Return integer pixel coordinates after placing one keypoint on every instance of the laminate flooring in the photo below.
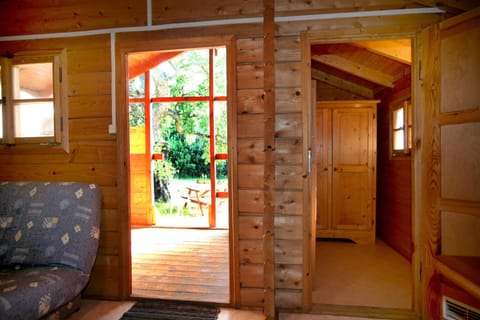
(361, 275)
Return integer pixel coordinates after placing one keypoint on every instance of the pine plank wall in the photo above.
(97, 156)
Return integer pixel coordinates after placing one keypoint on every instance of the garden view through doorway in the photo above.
(178, 138)
(178, 175)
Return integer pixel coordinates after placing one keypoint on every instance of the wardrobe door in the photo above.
(352, 174)
(324, 166)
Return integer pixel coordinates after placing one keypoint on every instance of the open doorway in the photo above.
(179, 211)
(364, 238)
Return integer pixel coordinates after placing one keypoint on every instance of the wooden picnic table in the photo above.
(199, 196)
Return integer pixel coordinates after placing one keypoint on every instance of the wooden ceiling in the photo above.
(362, 68)
(453, 7)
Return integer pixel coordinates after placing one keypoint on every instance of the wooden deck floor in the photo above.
(180, 264)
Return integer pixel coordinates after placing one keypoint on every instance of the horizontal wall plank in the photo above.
(406, 24)
(288, 276)
(33, 17)
(110, 197)
(110, 221)
(251, 297)
(287, 49)
(109, 243)
(90, 129)
(289, 177)
(70, 43)
(89, 60)
(289, 227)
(286, 6)
(250, 176)
(251, 275)
(249, 50)
(289, 151)
(288, 251)
(288, 100)
(250, 201)
(250, 101)
(40, 157)
(91, 83)
(250, 151)
(90, 106)
(289, 300)
(168, 11)
(289, 202)
(288, 74)
(250, 251)
(93, 152)
(90, 173)
(250, 227)
(250, 126)
(288, 125)
(105, 278)
(249, 76)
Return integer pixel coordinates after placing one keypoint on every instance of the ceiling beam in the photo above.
(342, 83)
(356, 69)
(398, 50)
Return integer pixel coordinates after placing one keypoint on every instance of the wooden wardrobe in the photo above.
(346, 160)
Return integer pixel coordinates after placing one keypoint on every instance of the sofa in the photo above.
(49, 234)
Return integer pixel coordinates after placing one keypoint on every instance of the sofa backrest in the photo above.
(49, 223)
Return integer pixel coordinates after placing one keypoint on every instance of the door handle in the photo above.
(309, 160)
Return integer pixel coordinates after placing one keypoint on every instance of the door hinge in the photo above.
(60, 76)
(4, 100)
(61, 124)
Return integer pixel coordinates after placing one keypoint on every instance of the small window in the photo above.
(401, 129)
(32, 94)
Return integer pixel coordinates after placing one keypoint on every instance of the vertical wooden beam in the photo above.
(212, 208)
(269, 165)
(7, 108)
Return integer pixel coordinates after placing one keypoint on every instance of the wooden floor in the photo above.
(193, 265)
(180, 264)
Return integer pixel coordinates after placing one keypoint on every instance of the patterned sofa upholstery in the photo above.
(48, 243)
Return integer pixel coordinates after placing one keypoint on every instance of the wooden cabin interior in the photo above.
(353, 149)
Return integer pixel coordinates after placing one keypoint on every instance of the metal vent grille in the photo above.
(455, 310)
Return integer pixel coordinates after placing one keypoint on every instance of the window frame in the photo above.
(59, 139)
(407, 128)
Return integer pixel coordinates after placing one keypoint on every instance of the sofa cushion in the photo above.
(34, 292)
(49, 224)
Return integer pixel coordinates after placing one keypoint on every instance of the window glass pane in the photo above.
(398, 140)
(398, 120)
(161, 119)
(136, 87)
(136, 114)
(220, 70)
(33, 81)
(34, 119)
(185, 75)
(220, 126)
